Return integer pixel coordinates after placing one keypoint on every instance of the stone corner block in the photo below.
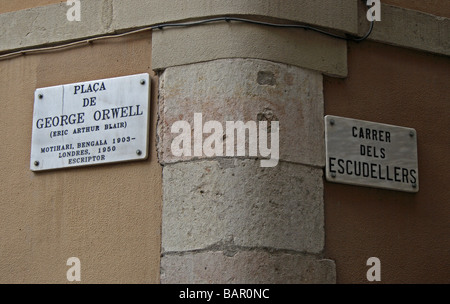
(245, 90)
(246, 267)
(298, 47)
(231, 202)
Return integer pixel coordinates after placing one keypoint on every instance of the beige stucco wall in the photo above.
(108, 216)
(14, 5)
(407, 232)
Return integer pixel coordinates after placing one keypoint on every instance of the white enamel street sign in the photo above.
(90, 123)
(371, 154)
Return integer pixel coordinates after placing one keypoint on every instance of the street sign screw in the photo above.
(40, 96)
(414, 186)
(142, 81)
(332, 122)
(138, 152)
(36, 163)
(411, 133)
(333, 174)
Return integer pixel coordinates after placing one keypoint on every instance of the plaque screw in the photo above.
(138, 152)
(333, 174)
(332, 122)
(36, 163)
(411, 133)
(142, 81)
(414, 186)
(40, 96)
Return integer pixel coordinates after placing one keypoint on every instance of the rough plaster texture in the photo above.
(236, 202)
(14, 5)
(246, 267)
(409, 233)
(245, 90)
(108, 216)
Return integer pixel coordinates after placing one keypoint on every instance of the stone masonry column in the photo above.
(228, 219)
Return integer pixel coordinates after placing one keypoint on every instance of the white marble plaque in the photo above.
(91, 123)
(371, 154)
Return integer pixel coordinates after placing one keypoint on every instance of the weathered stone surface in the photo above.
(338, 14)
(232, 201)
(245, 90)
(411, 29)
(246, 267)
(297, 47)
(49, 24)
